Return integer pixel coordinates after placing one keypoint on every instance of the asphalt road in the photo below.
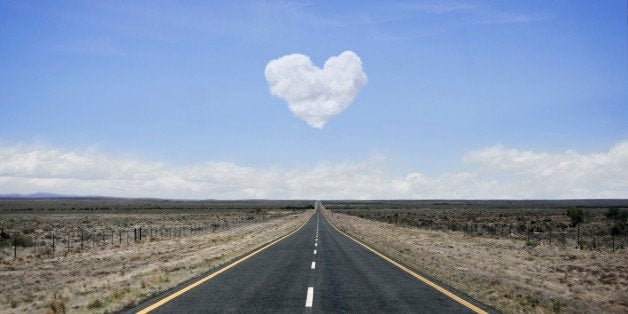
(316, 269)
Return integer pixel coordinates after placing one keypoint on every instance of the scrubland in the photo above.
(505, 273)
(110, 274)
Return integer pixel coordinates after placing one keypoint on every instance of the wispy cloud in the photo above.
(499, 172)
(498, 17)
(94, 46)
(438, 7)
(416, 20)
(170, 24)
(378, 14)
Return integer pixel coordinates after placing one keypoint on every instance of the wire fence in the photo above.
(77, 239)
(592, 237)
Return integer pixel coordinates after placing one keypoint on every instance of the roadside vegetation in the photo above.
(181, 240)
(587, 224)
(500, 252)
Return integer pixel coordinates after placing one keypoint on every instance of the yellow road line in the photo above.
(200, 281)
(415, 275)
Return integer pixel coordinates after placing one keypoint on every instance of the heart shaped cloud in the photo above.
(313, 94)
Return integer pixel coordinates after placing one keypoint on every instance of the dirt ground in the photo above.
(502, 273)
(117, 277)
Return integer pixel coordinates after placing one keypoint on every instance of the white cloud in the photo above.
(499, 173)
(313, 94)
(569, 174)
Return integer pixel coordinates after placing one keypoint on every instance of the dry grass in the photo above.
(503, 273)
(111, 279)
(79, 230)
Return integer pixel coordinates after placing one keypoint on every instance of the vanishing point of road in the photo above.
(315, 269)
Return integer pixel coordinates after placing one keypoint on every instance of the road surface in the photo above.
(315, 269)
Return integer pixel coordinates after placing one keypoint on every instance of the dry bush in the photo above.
(503, 273)
(55, 306)
(114, 277)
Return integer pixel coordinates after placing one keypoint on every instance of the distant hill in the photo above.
(39, 195)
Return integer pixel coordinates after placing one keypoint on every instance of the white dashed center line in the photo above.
(310, 297)
(310, 290)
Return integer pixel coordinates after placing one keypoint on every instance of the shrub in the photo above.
(94, 304)
(556, 305)
(576, 215)
(618, 228)
(532, 243)
(615, 213)
(119, 293)
(22, 240)
(55, 306)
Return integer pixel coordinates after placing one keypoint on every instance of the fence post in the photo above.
(594, 243)
(15, 248)
(81, 240)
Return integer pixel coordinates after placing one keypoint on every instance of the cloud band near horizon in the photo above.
(498, 173)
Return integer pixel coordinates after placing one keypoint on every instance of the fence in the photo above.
(77, 240)
(593, 237)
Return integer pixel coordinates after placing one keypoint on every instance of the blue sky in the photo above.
(182, 84)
